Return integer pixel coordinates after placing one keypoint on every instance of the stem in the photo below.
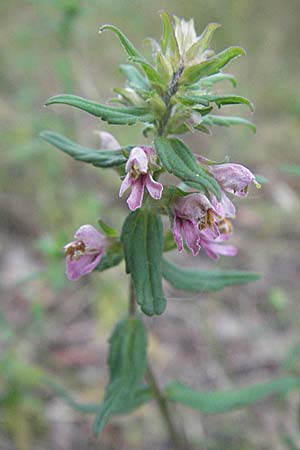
(167, 99)
(178, 439)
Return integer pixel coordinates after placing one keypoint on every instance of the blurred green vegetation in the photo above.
(53, 46)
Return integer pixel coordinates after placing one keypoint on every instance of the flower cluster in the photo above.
(200, 221)
(170, 97)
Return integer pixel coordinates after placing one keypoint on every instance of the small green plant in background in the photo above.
(170, 95)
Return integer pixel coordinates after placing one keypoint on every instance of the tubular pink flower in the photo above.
(85, 253)
(233, 178)
(193, 213)
(138, 177)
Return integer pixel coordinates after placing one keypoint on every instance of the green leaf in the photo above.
(130, 49)
(113, 257)
(142, 238)
(192, 280)
(99, 158)
(179, 160)
(211, 66)
(127, 363)
(134, 55)
(216, 78)
(135, 79)
(152, 75)
(169, 44)
(227, 121)
(219, 100)
(110, 114)
(202, 42)
(213, 402)
(107, 230)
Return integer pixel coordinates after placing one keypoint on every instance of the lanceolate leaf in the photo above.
(216, 78)
(219, 100)
(99, 158)
(203, 41)
(211, 66)
(169, 43)
(213, 402)
(142, 238)
(127, 363)
(135, 79)
(227, 121)
(110, 114)
(179, 160)
(192, 280)
(130, 49)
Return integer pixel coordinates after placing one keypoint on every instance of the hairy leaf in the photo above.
(213, 402)
(127, 363)
(99, 158)
(219, 100)
(111, 114)
(179, 160)
(135, 79)
(169, 43)
(203, 41)
(211, 66)
(142, 238)
(216, 78)
(130, 49)
(227, 121)
(193, 280)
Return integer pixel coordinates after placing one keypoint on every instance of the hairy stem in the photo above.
(167, 99)
(178, 439)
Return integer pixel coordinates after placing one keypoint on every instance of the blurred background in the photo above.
(49, 325)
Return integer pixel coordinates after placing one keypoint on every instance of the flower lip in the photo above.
(85, 253)
(140, 164)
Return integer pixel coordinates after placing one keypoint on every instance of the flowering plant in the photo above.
(170, 95)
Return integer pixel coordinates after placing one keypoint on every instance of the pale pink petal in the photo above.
(224, 208)
(135, 198)
(91, 237)
(138, 158)
(126, 183)
(154, 187)
(215, 247)
(193, 206)
(86, 264)
(177, 233)
(108, 142)
(191, 233)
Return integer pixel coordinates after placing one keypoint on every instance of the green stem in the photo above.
(178, 439)
(167, 99)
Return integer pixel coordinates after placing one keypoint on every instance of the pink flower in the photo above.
(193, 213)
(233, 178)
(213, 246)
(85, 253)
(138, 177)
